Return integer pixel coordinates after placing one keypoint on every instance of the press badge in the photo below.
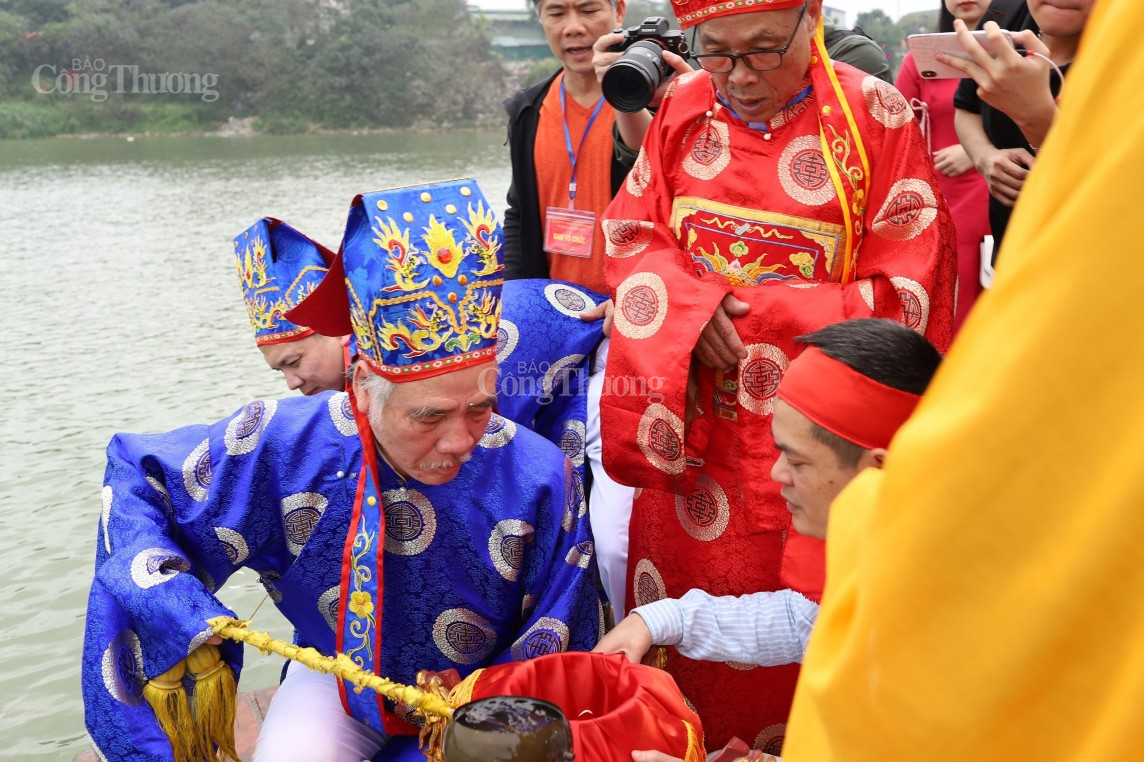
(569, 232)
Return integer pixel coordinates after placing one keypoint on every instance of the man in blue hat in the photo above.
(404, 525)
(277, 268)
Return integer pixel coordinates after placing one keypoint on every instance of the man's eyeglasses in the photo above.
(759, 60)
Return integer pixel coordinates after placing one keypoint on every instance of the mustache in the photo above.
(428, 465)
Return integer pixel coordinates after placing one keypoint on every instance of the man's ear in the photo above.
(621, 9)
(876, 458)
(361, 394)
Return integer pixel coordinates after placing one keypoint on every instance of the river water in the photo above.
(122, 313)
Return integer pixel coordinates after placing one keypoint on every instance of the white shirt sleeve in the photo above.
(767, 629)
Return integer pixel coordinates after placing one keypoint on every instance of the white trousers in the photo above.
(609, 504)
(306, 722)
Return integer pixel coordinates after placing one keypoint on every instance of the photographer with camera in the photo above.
(774, 194)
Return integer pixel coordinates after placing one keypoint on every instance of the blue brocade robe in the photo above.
(492, 566)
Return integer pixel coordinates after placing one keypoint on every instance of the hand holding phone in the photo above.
(925, 47)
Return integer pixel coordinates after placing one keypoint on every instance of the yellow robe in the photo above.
(985, 592)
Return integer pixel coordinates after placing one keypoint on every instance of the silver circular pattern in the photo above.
(660, 438)
(886, 104)
(463, 636)
(410, 522)
(328, 603)
(507, 544)
(759, 376)
(572, 441)
(234, 543)
(508, 335)
(199, 640)
(105, 515)
(647, 584)
(122, 668)
(300, 514)
(641, 305)
(154, 566)
(547, 636)
(498, 433)
(915, 303)
(197, 472)
(558, 372)
(580, 554)
(705, 513)
(245, 429)
(568, 300)
(803, 173)
(342, 414)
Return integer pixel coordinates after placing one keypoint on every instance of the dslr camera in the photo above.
(631, 81)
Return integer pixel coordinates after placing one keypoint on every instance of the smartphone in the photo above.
(923, 47)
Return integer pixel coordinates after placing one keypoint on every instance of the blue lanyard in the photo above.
(574, 155)
(762, 126)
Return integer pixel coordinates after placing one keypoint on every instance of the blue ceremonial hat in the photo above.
(278, 267)
(422, 277)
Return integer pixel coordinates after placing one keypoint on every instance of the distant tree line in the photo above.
(294, 65)
(891, 35)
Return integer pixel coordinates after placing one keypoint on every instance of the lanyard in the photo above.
(574, 155)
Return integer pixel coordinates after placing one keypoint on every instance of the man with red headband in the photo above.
(876, 371)
(775, 194)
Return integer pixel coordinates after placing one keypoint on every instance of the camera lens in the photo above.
(632, 80)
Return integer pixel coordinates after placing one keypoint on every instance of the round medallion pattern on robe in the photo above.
(741, 666)
(803, 173)
(207, 580)
(154, 566)
(508, 335)
(626, 238)
(122, 668)
(640, 175)
(197, 472)
(245, 429)
(759, 376)
(575, 506)
(915, 303)
(647, 584)
(300, 514)
(162, 490)
(572, 441)
(710, 151)
(660, 438)
(866, 291)
(770, 739)
(463, 636)
(641, 305)
(547, 636)
(234, 544)
(199, 640)
(705, 513)
(507, 542)
(910, 208)
(328, 603)
(580, 554)
(498, 433)
(558, 372)
(410, 522)
(105, 515)
(568, 300)
(342, 414)
(886, 104)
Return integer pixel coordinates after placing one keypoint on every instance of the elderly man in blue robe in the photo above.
(405, 524)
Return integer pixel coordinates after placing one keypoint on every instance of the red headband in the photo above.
(843, 401)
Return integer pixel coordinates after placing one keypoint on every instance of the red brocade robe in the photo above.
(712, 207)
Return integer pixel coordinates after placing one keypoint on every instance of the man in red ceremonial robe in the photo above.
(775, 194)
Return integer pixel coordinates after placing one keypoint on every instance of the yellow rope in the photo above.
(341, 666)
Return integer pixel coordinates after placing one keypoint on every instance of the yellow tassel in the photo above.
(660, 659)
(214, 702)
(431, 740)
(167, 698)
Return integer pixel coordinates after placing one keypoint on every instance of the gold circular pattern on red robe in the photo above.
(547, 636)
(770, 739)
(197, 472)
(710, 149)
(507, 544)
(886, 104)
(910, 208)
(705, 513)
(122, 668)
(626, 238)
(803, 173)
(759, 375)
(660, 438)
(342, 414)
(866, 291)
(300, 514)
(640, 175)
(641, 305)
(647, 584)
(410, 522)
(245, 429)
(741, 666)
(915, 303)
(463, 636)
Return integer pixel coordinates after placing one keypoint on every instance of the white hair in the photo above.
(380, 389)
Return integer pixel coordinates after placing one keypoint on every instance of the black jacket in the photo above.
(523, 236)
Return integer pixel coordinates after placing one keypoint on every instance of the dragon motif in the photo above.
(735, 271)
(428, 331)
(480, 241)
(402, 260)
